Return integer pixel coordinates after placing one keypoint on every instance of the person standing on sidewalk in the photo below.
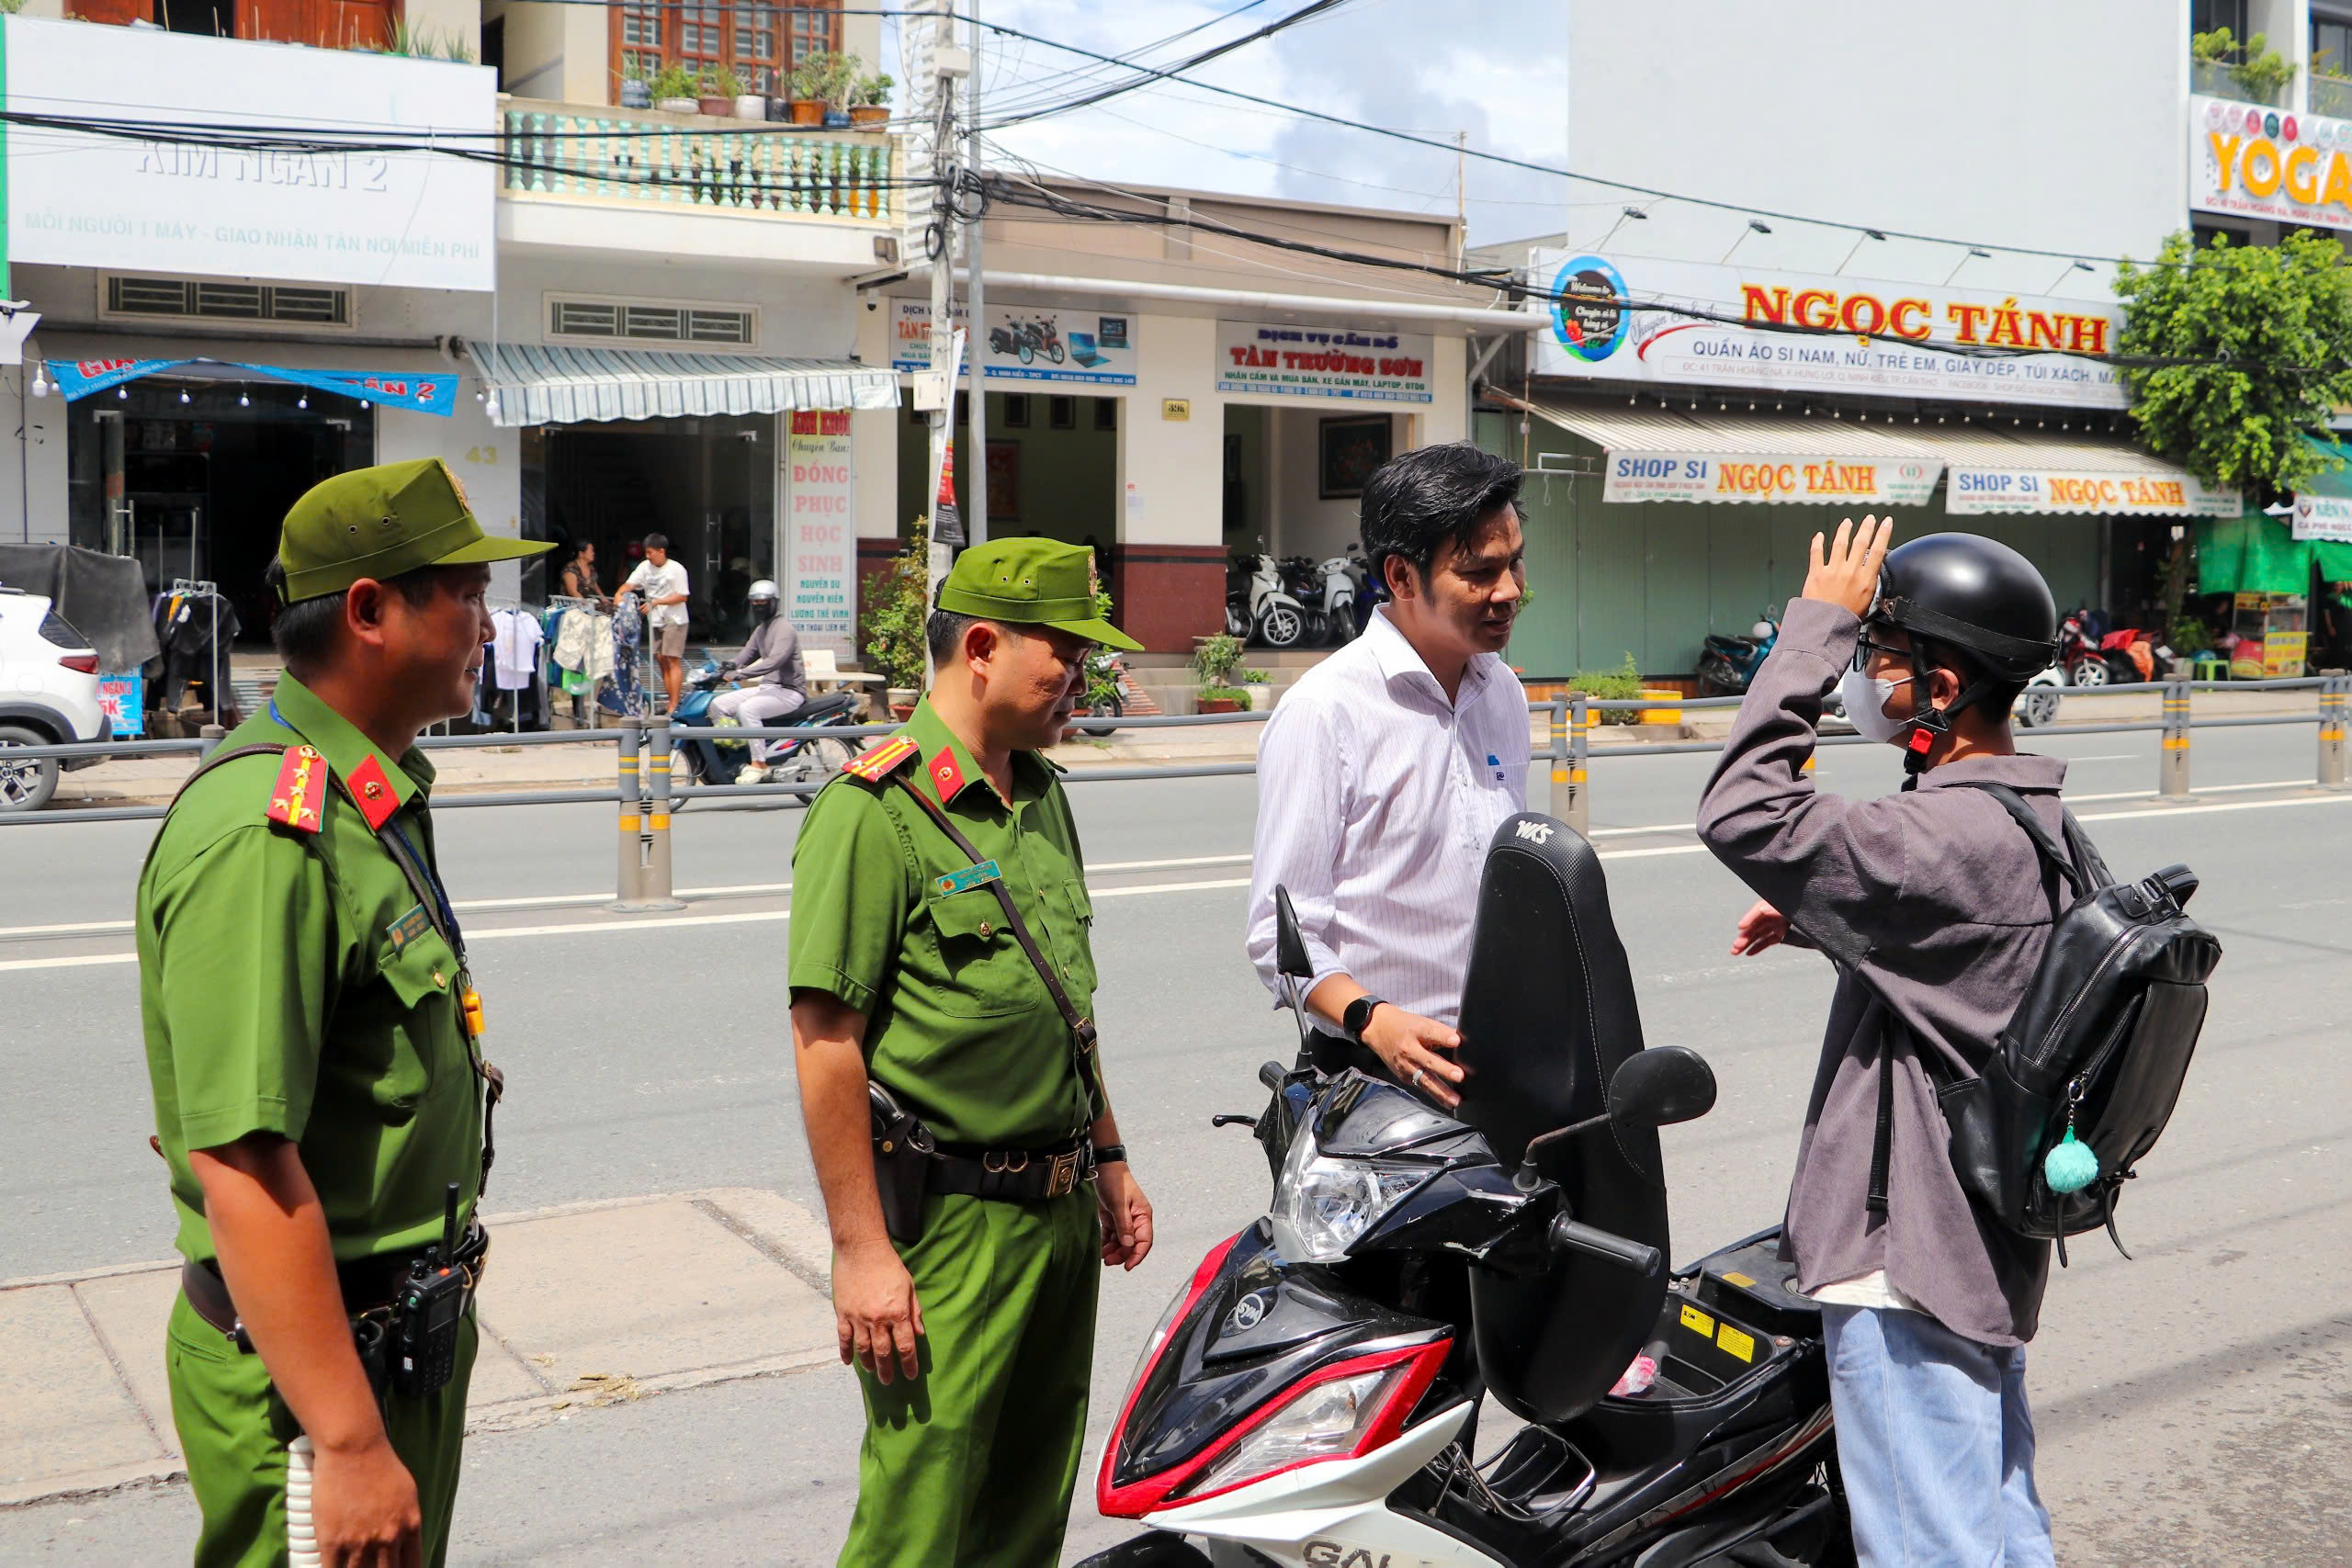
(1935, 909)
(1388, 767)
(312, 1041)
(940, 954)
(662, 583)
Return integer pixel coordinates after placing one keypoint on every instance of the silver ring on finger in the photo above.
(1415, 1082)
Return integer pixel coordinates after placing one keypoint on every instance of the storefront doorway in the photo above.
(193, 477)
(1053, 466)
(707, 484)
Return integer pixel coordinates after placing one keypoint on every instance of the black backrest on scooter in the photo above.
(818, 710)
(1547, 1014)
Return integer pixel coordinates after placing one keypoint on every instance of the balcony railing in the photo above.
(2215, 81)
(685, 163)
(2330, 95)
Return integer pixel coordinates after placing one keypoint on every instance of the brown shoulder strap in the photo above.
(214, 761)
(1081, 1030)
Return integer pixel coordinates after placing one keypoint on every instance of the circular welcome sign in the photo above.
(1589, 318)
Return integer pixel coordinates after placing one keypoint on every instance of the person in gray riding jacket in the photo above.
(769, 668)
(1935, 907)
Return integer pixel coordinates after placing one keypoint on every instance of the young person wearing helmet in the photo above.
(769, 668)
(1935, 909)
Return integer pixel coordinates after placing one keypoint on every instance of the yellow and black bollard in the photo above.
(2331, 731)
(2172, 765)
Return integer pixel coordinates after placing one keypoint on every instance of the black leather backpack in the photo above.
(2101, 1043)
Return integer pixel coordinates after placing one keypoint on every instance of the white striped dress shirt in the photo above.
(1376, 798)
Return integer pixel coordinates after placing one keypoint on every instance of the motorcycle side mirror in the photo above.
(1290, 948)
(1661, 1086)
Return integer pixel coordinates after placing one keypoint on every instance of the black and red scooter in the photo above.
(1311, 1395)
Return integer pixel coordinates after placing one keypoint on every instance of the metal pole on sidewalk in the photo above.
(211, 735)
(629, 888)
(2331, 731)
(656, 888)
(1578, 808)
(2172, 767)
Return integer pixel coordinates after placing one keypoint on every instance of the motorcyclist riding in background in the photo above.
(769, 669)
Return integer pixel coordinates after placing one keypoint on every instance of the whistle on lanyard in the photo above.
(470, 1002)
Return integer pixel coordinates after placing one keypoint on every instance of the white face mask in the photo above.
(1866, 698)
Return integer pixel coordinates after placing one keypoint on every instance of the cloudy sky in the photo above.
(1410, 64)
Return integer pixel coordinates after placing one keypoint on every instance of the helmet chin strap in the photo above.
(1930, 722)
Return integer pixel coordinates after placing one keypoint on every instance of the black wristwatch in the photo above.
(1359, 1016)
(1110, 1153)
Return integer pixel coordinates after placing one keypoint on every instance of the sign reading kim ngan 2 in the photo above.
(1360, 365)
(1731, 327)
(405, 220)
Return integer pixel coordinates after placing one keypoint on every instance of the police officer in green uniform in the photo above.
(314, 1040)
(939, 951)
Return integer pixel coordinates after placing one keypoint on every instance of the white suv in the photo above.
(48, 696)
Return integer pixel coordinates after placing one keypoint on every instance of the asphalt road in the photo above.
(2195, 1406)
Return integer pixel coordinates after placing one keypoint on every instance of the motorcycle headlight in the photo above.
(1322, 1205)
(1326, 1421)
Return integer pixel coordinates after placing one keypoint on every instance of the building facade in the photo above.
(1688, 446)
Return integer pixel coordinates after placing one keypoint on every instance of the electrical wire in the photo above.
(1307, 12)
(1056, 80)
(1160, 74)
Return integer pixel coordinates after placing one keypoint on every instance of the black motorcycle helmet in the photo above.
(1977, 600)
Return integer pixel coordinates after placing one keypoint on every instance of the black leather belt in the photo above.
(1019, 1176)
(369, 1284)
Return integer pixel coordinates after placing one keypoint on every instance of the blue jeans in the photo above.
(1935, 1442)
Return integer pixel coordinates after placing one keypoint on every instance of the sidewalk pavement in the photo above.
(150, 781)
(584, 1305)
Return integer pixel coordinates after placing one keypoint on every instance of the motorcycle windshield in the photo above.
(1548, 1014)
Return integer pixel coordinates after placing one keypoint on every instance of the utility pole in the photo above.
(940, 66)
(976, 504)
(1460, 196)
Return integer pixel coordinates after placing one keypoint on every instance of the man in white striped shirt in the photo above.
(1388, 767)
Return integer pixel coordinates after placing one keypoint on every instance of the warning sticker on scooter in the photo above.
(1737, 1344)
(964, 881)
(1698, 1322)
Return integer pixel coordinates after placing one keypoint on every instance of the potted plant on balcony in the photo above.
(808, 105)
(716, 93)
(637, 87)
(674, 90)
(870, 102)
(748, 104)
(831, 79)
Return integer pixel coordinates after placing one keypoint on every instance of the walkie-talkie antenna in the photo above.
(449, 1227)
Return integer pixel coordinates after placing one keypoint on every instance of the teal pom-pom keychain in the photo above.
(2071, 1165)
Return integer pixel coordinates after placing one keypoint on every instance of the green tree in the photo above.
(2263, 333)
(898, 603)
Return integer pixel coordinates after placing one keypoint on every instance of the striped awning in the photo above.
(539, 385)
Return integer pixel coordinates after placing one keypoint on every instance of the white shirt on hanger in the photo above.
(513, 649)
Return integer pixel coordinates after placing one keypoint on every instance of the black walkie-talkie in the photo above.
(426, 1313)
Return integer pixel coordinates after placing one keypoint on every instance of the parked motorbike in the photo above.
(1303, 580)
(1728, 664)
(1339, 577)
(1106, 702)
(2092, 655)
(1258, 606)
(811, 760)
(1309, 1398)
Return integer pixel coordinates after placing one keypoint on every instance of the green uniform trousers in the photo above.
(973, 1461)
(233, 1428)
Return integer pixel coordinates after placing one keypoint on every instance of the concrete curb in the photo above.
(733, 1286)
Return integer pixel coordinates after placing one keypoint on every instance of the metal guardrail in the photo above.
(643, 786)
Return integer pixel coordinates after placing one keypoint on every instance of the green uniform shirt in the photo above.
(958, 1024)
(291, 982)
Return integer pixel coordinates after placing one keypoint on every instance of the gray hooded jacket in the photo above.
(1932, 902)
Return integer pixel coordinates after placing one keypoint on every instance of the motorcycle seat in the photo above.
(818, 710)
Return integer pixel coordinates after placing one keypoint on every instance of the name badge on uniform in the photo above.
(408, 928)
(964, 881)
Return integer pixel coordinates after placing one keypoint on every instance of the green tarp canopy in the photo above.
(2255, 554)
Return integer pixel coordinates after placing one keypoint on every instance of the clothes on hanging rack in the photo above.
(515, 648)
(195, 624)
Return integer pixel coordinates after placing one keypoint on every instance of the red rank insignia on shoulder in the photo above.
(877, 765)
(300, 790)
(373, 793)
(946, 775)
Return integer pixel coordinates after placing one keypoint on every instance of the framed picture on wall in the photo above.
(1016, 410)
(1347, 451)
(1004, 482)
(1061, 413)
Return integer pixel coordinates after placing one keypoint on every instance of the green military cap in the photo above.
(382, 521)
(1031, 582)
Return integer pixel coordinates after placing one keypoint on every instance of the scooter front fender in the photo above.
(1335, 1513)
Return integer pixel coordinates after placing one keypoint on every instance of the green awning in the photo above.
(2255, 554)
